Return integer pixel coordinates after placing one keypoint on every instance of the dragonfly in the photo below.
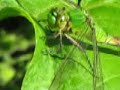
(61, 25)
(59, 22)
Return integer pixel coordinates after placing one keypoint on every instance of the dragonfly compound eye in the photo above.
(51, 19)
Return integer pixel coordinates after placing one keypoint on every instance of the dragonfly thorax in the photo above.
(58, 19)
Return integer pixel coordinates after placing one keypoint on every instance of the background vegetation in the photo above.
(16, 50)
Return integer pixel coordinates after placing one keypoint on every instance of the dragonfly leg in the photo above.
(80, 47)
(61, 44)
(54, 36)
(59, 34)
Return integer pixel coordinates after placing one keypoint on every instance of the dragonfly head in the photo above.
(58, 19)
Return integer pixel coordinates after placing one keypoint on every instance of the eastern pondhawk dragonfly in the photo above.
(66, 27)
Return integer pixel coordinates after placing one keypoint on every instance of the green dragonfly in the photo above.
(66, 26)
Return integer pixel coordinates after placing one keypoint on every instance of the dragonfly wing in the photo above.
(73, 67)
(97, 68)
(72, 75)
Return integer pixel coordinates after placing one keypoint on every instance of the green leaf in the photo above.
(111, 74)
(105, 13)
(46, 61)
(39, 8)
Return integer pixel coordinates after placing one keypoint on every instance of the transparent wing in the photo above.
(76, 65)
(97, 76)
(97, 69)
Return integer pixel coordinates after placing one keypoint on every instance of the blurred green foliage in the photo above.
(16, 50)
